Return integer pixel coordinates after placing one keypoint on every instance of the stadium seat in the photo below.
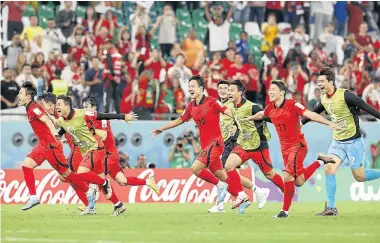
(235, 30)
(253, 28)
(198, 14)
(81, 12)
(45, 11)
(183, 15)
(28, 11)
(255, 45)
(154, 42)
(201, 26)
(153, 16)
(42, 21)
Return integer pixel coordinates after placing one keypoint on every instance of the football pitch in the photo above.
(185, 223)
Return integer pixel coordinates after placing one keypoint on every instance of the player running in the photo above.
(230, 133)
(74, 122)
(50, 149)
(285, 116)
(347, 146)
(205, 111)
(111, 162)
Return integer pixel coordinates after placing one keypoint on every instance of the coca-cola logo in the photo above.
(183, 187)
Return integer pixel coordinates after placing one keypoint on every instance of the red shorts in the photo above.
(294, 158)
(75, 158)
(112, 165)
(94, 160)
(261, 158)
(53, 154)
(210, 156)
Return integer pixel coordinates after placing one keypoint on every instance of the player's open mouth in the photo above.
(58, 111)
(191, 92)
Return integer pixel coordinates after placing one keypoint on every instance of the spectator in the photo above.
(192, 47)
(79, 50)
(102, 38)
(41, 85)
(238, 70)
(340, 13)
(35, 46)
(21, 61)
(297, 78)
(129, 96)
(219, 30)
(55, 61)
(278, 52)
(148, 92)
(108, 20)
(26, 75)
(298, 98)
(375, 150)
(179, 156)
(139, 18)
(242, 46)
(257, 11)
(180, 72)
(111, 76)
(193, 141)
(363, 40)
(355, 17)
(93, 78)
(52, 38)
(9, 90)
(15, 10)
(300, 9)
(165, 100)
(270, 32)
(78, 30)
(254, 85)
(228, 60)
(12, 52)
(58, 85)
(323, 12)
(330, 40)
(141, 162)
(90, 21)
(371, 94)
(69, 71)
(316, 100)
(274, 7)
(167, 24)
(309, 89)
(124, 43)
(142, 47)
(299, 37)
(29, 32)
(77, 91)
(155, 63)
(212, 82)
(179, 96)
(240, 12)
(66, 19)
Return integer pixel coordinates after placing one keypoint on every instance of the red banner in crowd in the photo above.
(176, 185)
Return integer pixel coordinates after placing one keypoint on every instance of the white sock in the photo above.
(285, 211)
(242, 194)
(321, 162)
(34, 197)
(146, 181)
(254, 188)
(220, 183)
(117, 204)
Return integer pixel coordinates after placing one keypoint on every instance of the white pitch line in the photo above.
(46, 240)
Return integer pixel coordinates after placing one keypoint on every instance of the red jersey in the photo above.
(207, 117)
(34, 112)
(286, 119)
(109, 142)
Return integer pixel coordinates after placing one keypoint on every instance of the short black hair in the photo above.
(48, 97)
(329, 73)
(35, 65)
(239, 85)
(66, 99)
(280, 84)
(92, 99)
(199, 79)
(29, 89)
(223, 82)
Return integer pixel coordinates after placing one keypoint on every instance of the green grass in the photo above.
(183, 223)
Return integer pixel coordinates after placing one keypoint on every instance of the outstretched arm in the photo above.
(320, 119)
(45, 119)
(258, 116)
(352, 99)
(110, 116)
(318, 109)
(168, 126)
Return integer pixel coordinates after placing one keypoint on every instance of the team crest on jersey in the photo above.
(104, 123)
(37, 111)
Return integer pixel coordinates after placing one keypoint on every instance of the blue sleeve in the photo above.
(88, 75)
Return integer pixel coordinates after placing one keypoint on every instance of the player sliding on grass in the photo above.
(285, 116)
(75, 122)
(205, 111)
(111, 162)
(347, 146)
(50, 148)
(230, 133)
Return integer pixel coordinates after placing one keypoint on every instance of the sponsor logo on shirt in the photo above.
(37, 111)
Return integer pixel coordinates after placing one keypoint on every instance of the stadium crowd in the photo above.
(139, 56)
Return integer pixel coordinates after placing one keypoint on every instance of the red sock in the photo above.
(206, 175)
(80, 185)
(277, 180)
(114, 199)
(309, 171)
(89, 177)
(288, 194)
(29, 180)
(134, 181)
(81, 194)
(234, 183)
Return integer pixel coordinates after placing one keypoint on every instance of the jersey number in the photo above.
(201, 122)
(281, 127)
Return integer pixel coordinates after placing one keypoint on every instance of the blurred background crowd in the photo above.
(138, 56)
